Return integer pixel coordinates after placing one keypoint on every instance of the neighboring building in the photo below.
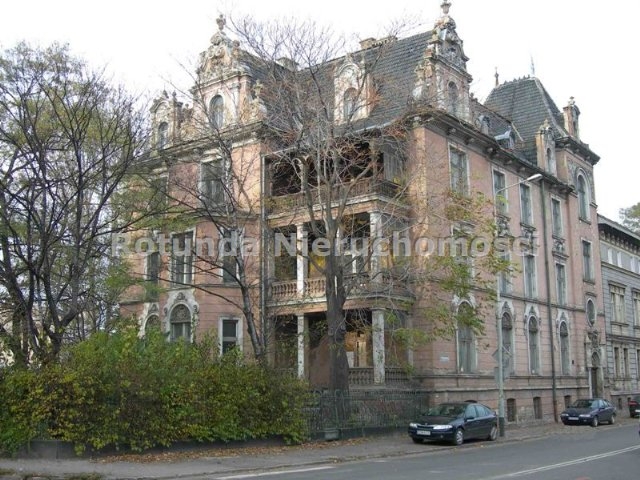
(551, 309)
(620, 256)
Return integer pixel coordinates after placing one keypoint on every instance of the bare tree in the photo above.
(67, 139)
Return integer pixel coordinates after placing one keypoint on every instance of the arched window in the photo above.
(466, 341)
(591, 313)
(216, 112)
(153, 323)
(349, 103)
(163, 135)
(453, 99)
(507, 342)
(181, 323)
(583, 197)
(564, 349)
(534, 357)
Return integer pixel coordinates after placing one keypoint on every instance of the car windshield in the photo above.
(583, 403)
(447, 410)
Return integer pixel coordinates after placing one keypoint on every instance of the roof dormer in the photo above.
(351, 92)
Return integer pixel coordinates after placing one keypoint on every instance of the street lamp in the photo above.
(500, 359)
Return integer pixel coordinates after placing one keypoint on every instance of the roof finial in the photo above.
(221, 22)
(445, 5)
(533, 67)
(497, 75)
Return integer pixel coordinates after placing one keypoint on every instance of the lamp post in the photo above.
(500, 379)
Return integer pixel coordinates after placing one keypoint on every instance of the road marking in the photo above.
(275, 472)
(522, 473)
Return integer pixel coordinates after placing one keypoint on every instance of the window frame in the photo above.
(213, 182)
(587, 261)
(565, 348)
(216, 112)
(557, 226)
(530, 276)
(561, 284)
(466, 345)
(500, 197)
(507, 334)
(526, 205)
(186, 271)
(533, 345)
(237, 339)
(163, 135)
(173, 323)
(584, 200)
(617, 295)
(459, 171)
(635, 301)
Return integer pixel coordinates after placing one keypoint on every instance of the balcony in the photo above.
(358, 285)
(364, 189)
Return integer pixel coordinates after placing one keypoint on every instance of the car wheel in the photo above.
(613, 420)
(416, 440)
(458, 437)
(493, 434)
(595, 422)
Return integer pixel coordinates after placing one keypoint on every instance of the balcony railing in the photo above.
(358, 285)
(363, 376)
(363, 187)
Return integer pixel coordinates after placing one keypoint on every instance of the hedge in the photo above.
(122, 391)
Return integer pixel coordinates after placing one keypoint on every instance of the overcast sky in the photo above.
(579, 48)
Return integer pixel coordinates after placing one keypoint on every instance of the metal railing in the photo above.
(382, 408)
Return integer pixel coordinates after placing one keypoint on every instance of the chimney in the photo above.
(571, 119)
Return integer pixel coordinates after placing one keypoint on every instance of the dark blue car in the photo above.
(589, 411)
(455, 423)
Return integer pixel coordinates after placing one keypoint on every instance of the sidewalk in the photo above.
(226, 461)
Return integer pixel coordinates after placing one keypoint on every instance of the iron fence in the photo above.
(364, 409)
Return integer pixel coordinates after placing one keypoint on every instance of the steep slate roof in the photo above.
(395, 75)
(527, 104)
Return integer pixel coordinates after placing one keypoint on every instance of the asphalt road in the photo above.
(602, 453)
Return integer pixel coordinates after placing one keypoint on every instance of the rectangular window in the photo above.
(228, 250)
(182, 258)
(561, 284)
(230, 335)
(529, 268)
(587, 260)
(636, 310)
(152, 276)
(459, 182)
(500, 192)
(617, 304)
(616, 362)
(567, 401)
(213, 183)
(556, 217)
(625, 360)
(526, 212)
(504, 276)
